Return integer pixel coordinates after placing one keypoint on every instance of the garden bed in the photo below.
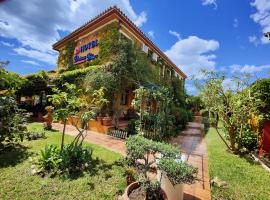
(16, 181)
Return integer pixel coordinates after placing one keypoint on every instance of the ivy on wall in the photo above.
(65, 58)
(108, 43)
(75, 76)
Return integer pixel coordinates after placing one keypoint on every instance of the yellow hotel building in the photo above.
(87, 38)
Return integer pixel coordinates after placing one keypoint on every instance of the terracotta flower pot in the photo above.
(134, 186)
(107, 121)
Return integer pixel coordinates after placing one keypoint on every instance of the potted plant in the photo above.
(131, 175)
(173, 174)
(148, 156)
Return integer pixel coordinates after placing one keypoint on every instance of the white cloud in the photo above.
(174, 33)
(209, 2)
(151, 34)
(193, 54)
(262, 17)
(37, 55)
(7, 44)
(254, 40)
(36, 24)
(32, 62)
(141, 19)
(235, 23)
(248, 68)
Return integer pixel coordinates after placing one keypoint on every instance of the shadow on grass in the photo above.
(52, 130)
(96, 167)
(249, 159)
(13, 155)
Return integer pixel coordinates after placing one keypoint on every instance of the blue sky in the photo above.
(221, 35)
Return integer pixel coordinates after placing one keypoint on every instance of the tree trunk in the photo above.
(225, 142)
(241, 137)
(63, 135)
(233, 140)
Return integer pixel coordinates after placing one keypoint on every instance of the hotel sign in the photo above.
(90, 56)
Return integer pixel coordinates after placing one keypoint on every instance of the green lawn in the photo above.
(16, 181)
(246, 180)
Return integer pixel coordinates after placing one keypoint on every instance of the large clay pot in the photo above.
(107, 121)
(134, 186)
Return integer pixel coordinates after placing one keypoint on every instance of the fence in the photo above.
(118, 133)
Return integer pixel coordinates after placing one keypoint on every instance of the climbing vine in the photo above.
(65, 58)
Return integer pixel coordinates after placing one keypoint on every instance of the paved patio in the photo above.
(192, 144)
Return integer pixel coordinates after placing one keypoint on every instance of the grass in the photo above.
(245, 179)
(16, 181)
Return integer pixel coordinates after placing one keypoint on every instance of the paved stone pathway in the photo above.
(106, 141)
(193, 145)
(191, 142)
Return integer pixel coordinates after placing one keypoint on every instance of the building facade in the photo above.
(87, 37)
(86, 47)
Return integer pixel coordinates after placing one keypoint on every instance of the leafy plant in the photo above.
(11, 120)
(131, 127)
(31, 135)
(49, 158)
(158, 119)
(178, 172)
(73, 158)
(250, 139)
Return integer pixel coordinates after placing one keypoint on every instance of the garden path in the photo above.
(106, 141)
(193, 145)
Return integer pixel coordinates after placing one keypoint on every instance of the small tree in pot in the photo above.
(144, 154)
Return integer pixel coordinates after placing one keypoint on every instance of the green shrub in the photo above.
(11, 121)
(182, 117)
(250, 140)
(131, 127)
(34, 135)
(178, 172)
(73, 158)
(49, 158)
(190, 116)
(76, 75)
(206, 124)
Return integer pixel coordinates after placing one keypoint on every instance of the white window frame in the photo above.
(145, 48)
(154, 56)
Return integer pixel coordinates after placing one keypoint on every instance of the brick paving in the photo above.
(191, 142)
(106, 141)
(193, 145)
